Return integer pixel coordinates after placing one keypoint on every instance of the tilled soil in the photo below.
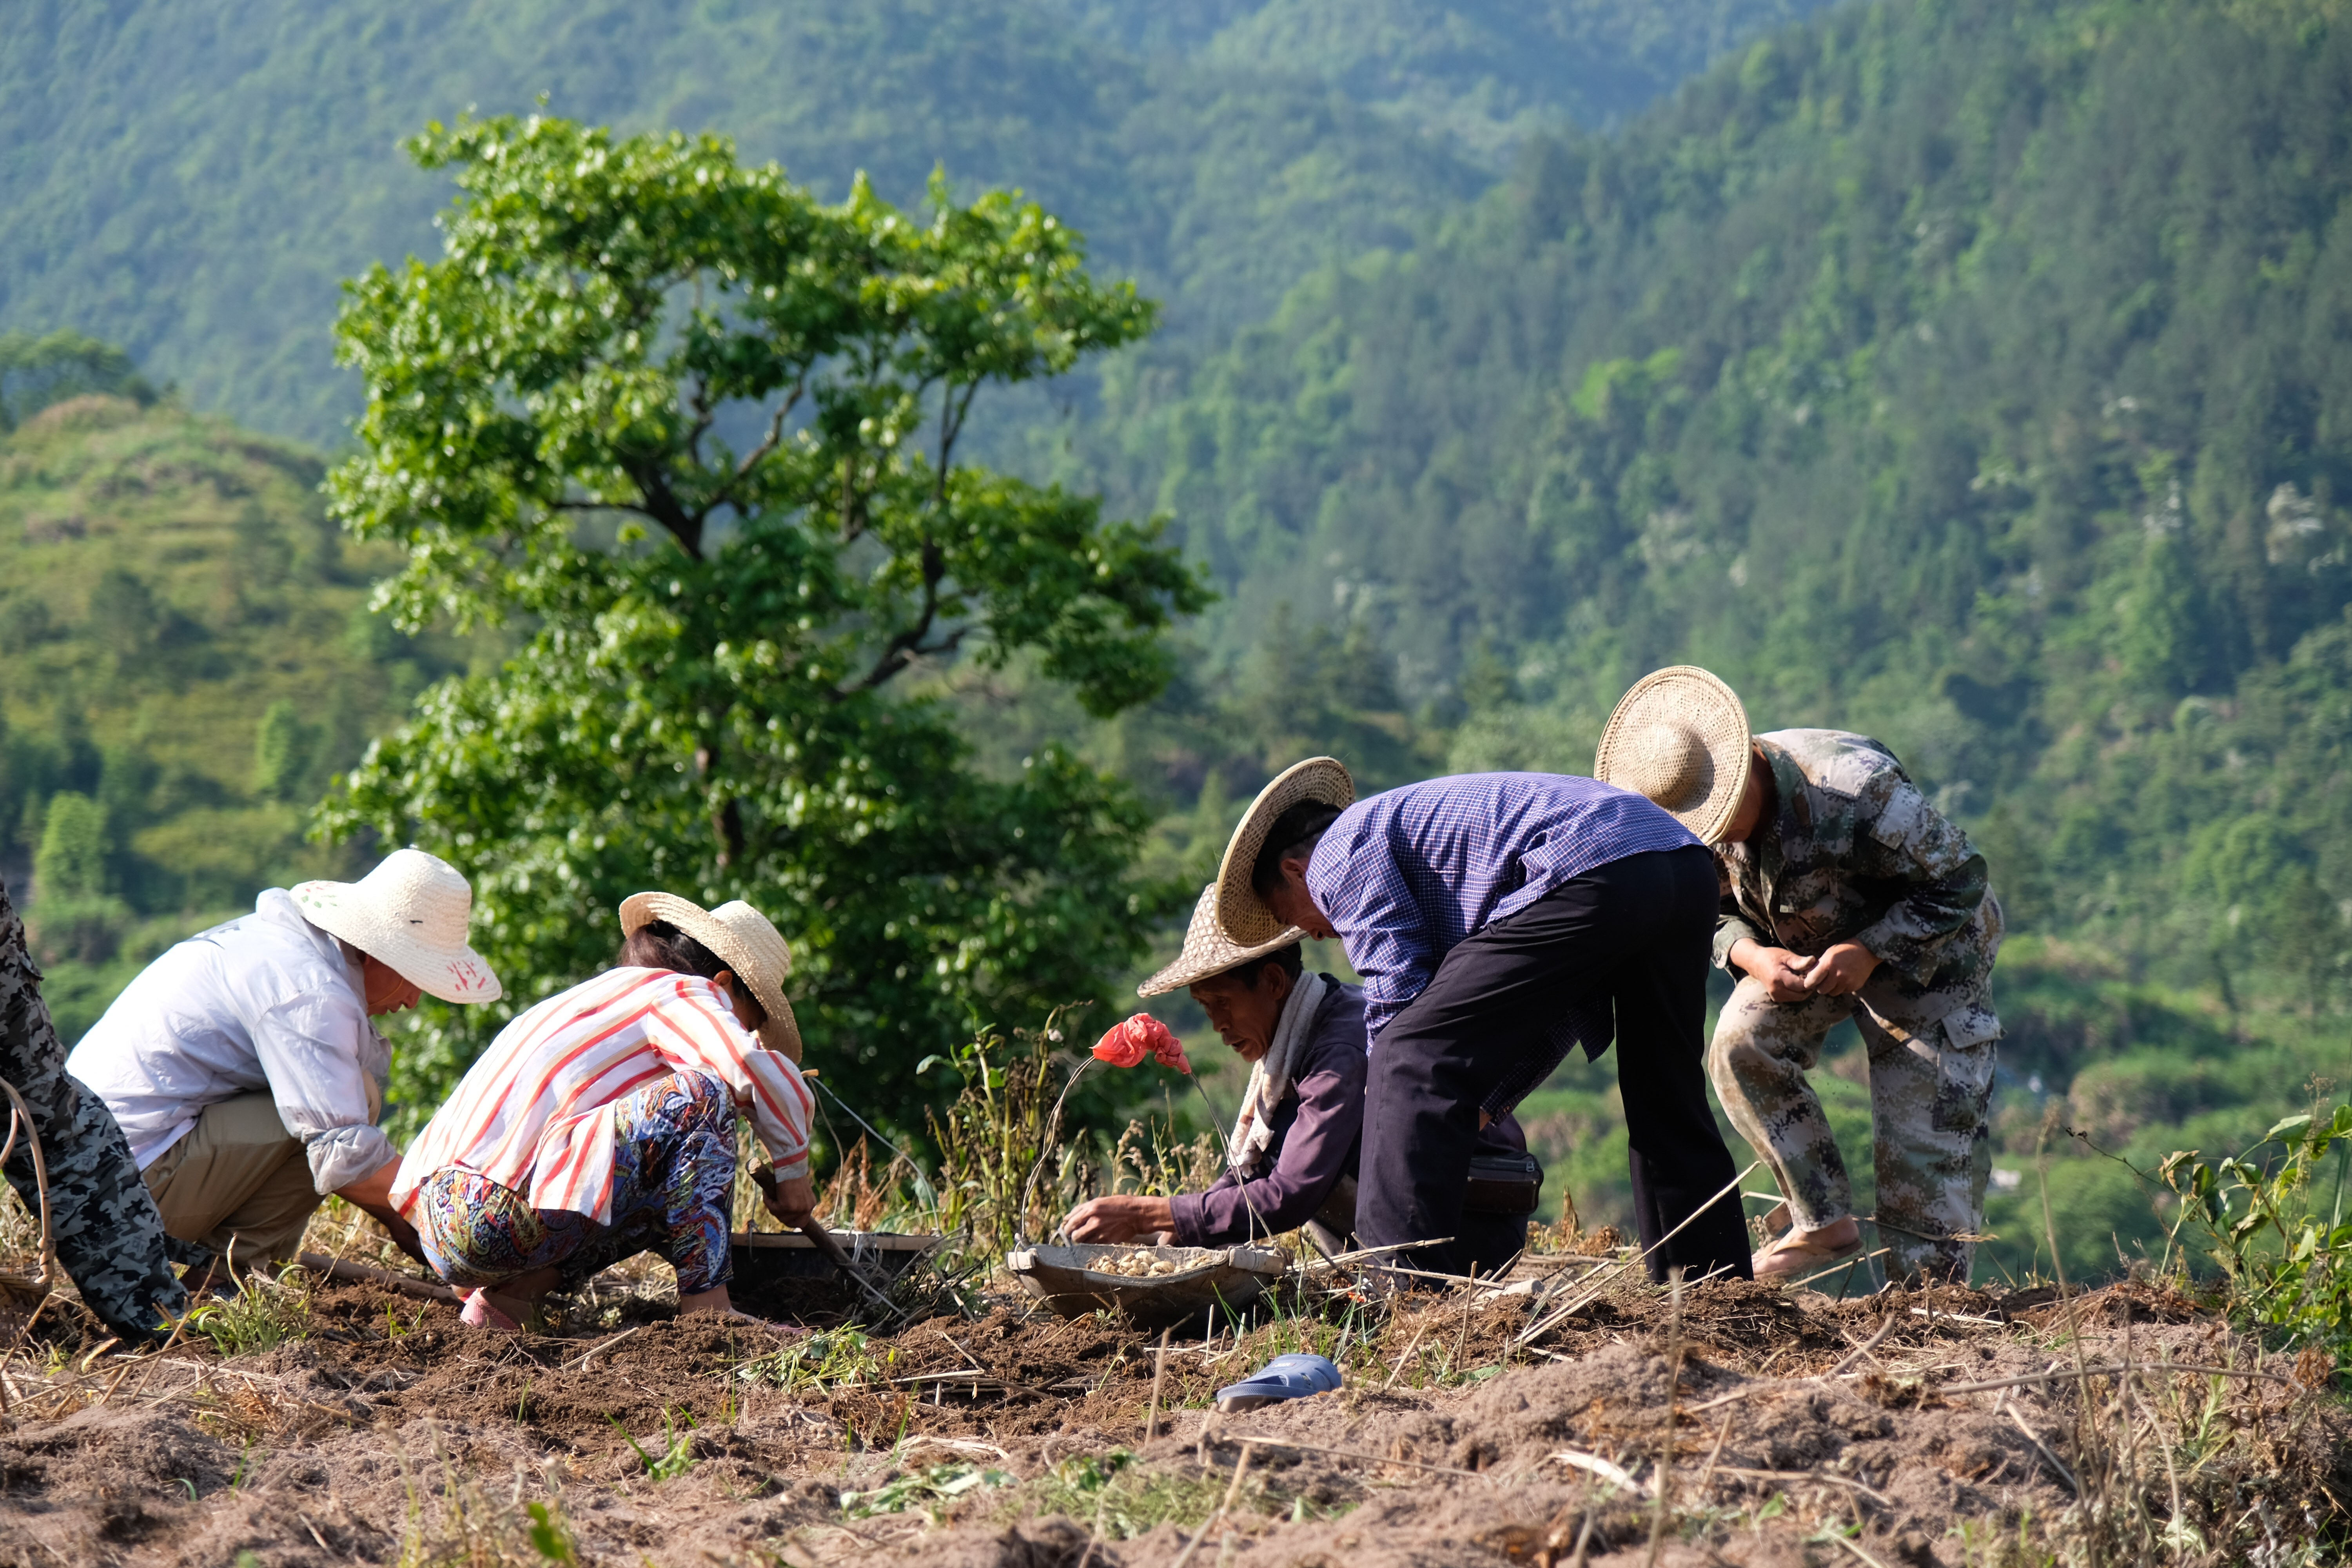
(1785, 1423)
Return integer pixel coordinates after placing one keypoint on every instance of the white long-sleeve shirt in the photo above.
(265, 1002)
(535, 1113)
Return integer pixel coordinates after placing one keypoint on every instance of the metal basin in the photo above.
(1066, 1279)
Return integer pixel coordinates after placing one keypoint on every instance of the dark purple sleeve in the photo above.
(1308, 1158)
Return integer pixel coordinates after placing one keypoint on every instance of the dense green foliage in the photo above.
(704, 701)
(38, 371)
(2271, 1220)
(1798, 368)
(194, 181)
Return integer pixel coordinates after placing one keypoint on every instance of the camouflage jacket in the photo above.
(1851, 851)
(110, 1238)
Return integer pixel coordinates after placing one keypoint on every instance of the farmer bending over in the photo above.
(1498, 920)
(601, 1124)
(1294, 1145)
(242, 1066)
(1848, 896)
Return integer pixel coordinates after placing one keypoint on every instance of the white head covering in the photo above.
(410, 913)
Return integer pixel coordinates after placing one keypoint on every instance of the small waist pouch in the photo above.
(1337, 1213)
(1502, 1181)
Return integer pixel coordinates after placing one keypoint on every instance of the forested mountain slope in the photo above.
(193, 181)
(1975, 376)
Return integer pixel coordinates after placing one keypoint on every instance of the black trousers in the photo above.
(1631, 937)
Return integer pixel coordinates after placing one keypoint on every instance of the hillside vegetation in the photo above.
(186, 658)
(194, 181)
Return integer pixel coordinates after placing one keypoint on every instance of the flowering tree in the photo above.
(694, 435)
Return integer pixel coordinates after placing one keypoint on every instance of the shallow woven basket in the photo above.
(1206, 1277)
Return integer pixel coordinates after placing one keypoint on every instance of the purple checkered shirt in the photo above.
(1404, 876)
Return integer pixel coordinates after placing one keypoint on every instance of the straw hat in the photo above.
(741, 937)
(1241, 915)
(410, 913)
(1680, 737)
(1206, 951)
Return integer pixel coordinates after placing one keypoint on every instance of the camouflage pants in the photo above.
(108, 1236)
(1929, 1096)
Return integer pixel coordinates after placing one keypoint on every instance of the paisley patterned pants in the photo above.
(673, 1177)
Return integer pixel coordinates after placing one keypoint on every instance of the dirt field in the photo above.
(1789, 1428)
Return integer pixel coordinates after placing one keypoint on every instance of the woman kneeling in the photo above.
(601, 1124)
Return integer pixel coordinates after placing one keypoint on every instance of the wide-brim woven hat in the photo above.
(1207, 951)
(411, 913)
(1680, 737)
(1241, 915)
(743, 939)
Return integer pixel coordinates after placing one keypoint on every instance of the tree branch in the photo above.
(853, 508)
(726, 814)
(662, 505)
(725, 495)
(908, 644)
(955, 406)
(699, 401)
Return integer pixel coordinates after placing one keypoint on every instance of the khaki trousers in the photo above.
(236, 1176)
(1931, 1103)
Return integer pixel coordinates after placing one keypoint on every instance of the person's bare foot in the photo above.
(1796, 1253)
(484, 1311)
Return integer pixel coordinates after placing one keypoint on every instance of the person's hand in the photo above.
(791, 1201)
(1107, 1221)
(371, 1194)
(1841, 970)
(1782, 973)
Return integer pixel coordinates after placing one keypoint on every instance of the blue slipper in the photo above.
(1291, 1376)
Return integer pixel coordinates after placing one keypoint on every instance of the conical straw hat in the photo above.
(1207, 951)
(740, 937)
(1241, 915)
(1680, 737)
(410, 913)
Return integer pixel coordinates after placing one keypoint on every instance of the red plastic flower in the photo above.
(1127, 1044)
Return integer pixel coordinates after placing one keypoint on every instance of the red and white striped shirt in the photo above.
(535, 1113)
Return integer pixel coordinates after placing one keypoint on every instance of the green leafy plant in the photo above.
(1004, 1172)
(262, 1315)
(930, 1489)
(549, 1537)
(676, 1455)
(834, 1358)
(2279, 1237)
